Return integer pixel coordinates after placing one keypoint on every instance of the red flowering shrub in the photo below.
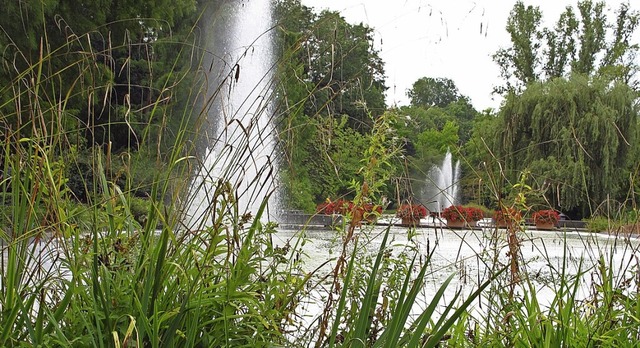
(474, 214)
(507, 216)
(546, 216)
(454, 213)
(330, 207)
(324, 208)
(414, 211)
(459, 213)
(370, 210)
(344, 207)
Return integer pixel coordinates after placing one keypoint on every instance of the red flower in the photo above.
(548, 216)
(414, 211)
(474, 214)
(344, 207)
(507, 216)
(460, 213)
(325, 208)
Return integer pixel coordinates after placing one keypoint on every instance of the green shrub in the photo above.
(600, 224)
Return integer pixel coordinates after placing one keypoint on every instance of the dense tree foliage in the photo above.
(428, 91)
(89, 71)
(439, 119)
(340, 68)
(575, 136)
(570, 114)
(113, 48)
(332, 90)
(481, 181)
(583, 41)
(441, 102)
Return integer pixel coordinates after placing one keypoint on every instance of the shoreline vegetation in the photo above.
(101, 122)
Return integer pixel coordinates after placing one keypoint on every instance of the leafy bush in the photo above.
(599, 224)
(474, 214)
(548, 216)
(458, 213)
(413, 211)
(507, 216)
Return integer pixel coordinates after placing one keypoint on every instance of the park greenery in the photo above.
(100, 124)
(569, 116)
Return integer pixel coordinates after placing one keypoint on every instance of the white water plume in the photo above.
(239, 64)
(442, 184)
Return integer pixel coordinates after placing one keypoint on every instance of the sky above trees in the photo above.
(441, 38)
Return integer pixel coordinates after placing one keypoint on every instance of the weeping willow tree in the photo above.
(575, 135)
(570, 112)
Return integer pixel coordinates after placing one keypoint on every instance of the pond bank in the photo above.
(294, 219)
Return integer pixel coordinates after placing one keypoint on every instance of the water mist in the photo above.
(442, 184)
(238, 148)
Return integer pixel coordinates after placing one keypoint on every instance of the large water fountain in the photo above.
(238, 148)
(441, 189)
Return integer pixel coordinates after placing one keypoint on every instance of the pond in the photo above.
(473, 255)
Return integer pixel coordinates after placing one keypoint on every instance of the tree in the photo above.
(89, 70)
(463, 112)
(342, 72)
(481, 181)
(576, 136)
(591, 37)
(570, 112)
(331, 84)
(561, 44)
(577, 44)
(442, 102)
(521, 60)
(439, 140)
(116, 36)
(346, 71)
(427, 92)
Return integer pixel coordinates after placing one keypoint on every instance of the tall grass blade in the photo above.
(435, 338)
(343, 298)
(363, 322)
(401, 312)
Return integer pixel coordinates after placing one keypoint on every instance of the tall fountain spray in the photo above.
(441, 190)
(238, 148)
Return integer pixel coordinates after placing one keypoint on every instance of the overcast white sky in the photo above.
(441, 38)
